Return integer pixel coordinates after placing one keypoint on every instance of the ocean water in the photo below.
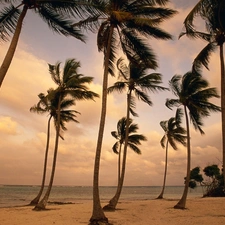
(18, 195)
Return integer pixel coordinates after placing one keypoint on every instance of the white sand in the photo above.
(200, 211)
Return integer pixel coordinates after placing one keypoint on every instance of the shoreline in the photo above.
(207, 211)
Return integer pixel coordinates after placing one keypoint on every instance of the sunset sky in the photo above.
(23, 134)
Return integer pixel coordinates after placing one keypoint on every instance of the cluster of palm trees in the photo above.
(71, 87)
(132, 79)
(127, 26)
(213, 14)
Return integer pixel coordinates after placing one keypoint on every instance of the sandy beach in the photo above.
(205, 211)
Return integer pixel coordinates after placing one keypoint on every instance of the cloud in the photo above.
(8, 126)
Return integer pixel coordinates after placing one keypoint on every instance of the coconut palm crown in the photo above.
(213, 14)
(133, 139)
(58, 14)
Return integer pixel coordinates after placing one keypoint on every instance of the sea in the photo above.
(19, 195)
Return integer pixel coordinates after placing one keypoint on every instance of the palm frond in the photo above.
(101, 36)
(172, 103)
(90, 24)
(118, 86)
(114, 134)
(153, 13)
(123, 69)
(150, 2)
(8, 21)
(115, 147)
(151, 82)
(136, 138)
(188, 22)
(133, 113)
(197, 34)
(112, 55)
(70, 69)
(134, 148)
(55, 73)
(74, 8)
(135, 45)
(172, 142)
(133, 128)
(163, 124)
(196, 121)
(175, 84)
(178, 116)
(60, 24)
(202, 59)
(162, 141)
(142, 96)
(179, 138)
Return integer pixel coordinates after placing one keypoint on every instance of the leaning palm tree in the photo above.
(124, 25)
(47, 105)
(135, 80)
(70, 84)
(174, 134)
(193, 93)
(56, 13)
(133, 140)
(213, 14)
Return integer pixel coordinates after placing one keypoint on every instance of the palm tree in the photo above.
(124, 25)
(174, 134)
(133, 140)
(135, 80)
(47, 105)
(193, 93)
(213, 14)
(56, 13)
(70, 83)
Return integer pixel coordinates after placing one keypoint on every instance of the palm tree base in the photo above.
(34, 202)
(178, 206)
(109, 208)
(103, 221)
(39, 207)
(159, 197)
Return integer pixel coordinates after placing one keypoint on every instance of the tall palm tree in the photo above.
(193, 93)
(47, 105)
(213, 14)
(174, 134)
(133, 79)
(133, 140)
(122, 25)
(56, 13)
(70, 84)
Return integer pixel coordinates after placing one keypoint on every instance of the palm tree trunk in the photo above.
(113, 202)
(223, 106)
(165, 172)
(36, 199)
(42, 204)
(12, 47)
(119, 164)
(97, 212)
(182, 203)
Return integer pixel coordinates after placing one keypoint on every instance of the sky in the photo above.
(23, 134)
